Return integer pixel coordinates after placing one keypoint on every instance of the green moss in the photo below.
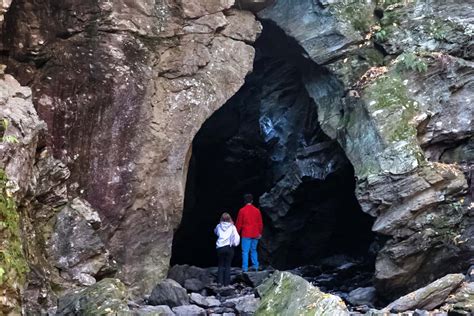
(13, 266)
(441, 30)
(390, 94)
(359, 14)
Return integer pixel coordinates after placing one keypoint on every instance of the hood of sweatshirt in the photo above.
(224, 226)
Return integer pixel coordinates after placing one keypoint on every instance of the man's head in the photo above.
(248, 198)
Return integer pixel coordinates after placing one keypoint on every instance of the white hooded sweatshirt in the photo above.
(227, 235)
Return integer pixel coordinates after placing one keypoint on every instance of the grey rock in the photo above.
(153, 311)
(324, 33)
(168, 292)
(189, 310)
(194, 285)
(461, 302)
(254, 279)
(203, 301)
(294, 296)
(245, 305)
(362, 296)
(20, 127)
(107, 296)
(75, 246)
(428, 297)
(182, 273)
(429, 27)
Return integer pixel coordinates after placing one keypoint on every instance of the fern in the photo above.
(410, 61)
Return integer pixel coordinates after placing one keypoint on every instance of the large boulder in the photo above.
(169, 292)
(109, 296)
(75, 246)
(429, 297)
(288, 294)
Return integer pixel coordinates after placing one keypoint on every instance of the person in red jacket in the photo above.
(250, 226)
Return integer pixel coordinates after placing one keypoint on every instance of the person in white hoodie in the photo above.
(227, 238)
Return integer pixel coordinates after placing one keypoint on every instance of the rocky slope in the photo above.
(123, 87)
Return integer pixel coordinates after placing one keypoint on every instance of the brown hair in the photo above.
(225, 217)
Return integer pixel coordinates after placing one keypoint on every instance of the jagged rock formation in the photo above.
(391, 126)
(18, 139)
(123, 88)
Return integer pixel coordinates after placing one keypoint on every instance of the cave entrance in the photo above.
(266, 140)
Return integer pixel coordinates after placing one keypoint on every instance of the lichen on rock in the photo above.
(288, 294)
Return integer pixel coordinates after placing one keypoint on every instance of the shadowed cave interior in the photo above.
(266, 140)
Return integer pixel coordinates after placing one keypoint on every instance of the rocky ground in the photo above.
(191, 290)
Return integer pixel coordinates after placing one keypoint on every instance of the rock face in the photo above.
(267, 140)
(394, 122)
(462, 301)
(19, 131)
(429, 297)
(123, 88)
(287, 294)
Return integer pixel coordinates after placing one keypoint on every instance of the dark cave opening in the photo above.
(266, 140)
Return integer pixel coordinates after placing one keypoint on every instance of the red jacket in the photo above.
(249, 222)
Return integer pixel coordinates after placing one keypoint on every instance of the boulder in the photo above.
(75, 247)
(194, 285)
(245, 305)
(362, 296)
(428, 297)
(288, 294)
(168, 292)
(200, 300)
(188, 310)
(160, 310)
(108, 296)
(254, 279)
(182, 273)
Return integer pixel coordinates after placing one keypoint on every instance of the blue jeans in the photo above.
(249, 244)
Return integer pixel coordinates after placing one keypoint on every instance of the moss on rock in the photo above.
(358, 14)
(107, 297)
(13, 266)
(288, 294)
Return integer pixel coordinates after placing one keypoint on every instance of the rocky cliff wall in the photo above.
(123, 87)
(397, 98)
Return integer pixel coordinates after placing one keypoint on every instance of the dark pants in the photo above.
(224, 258)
